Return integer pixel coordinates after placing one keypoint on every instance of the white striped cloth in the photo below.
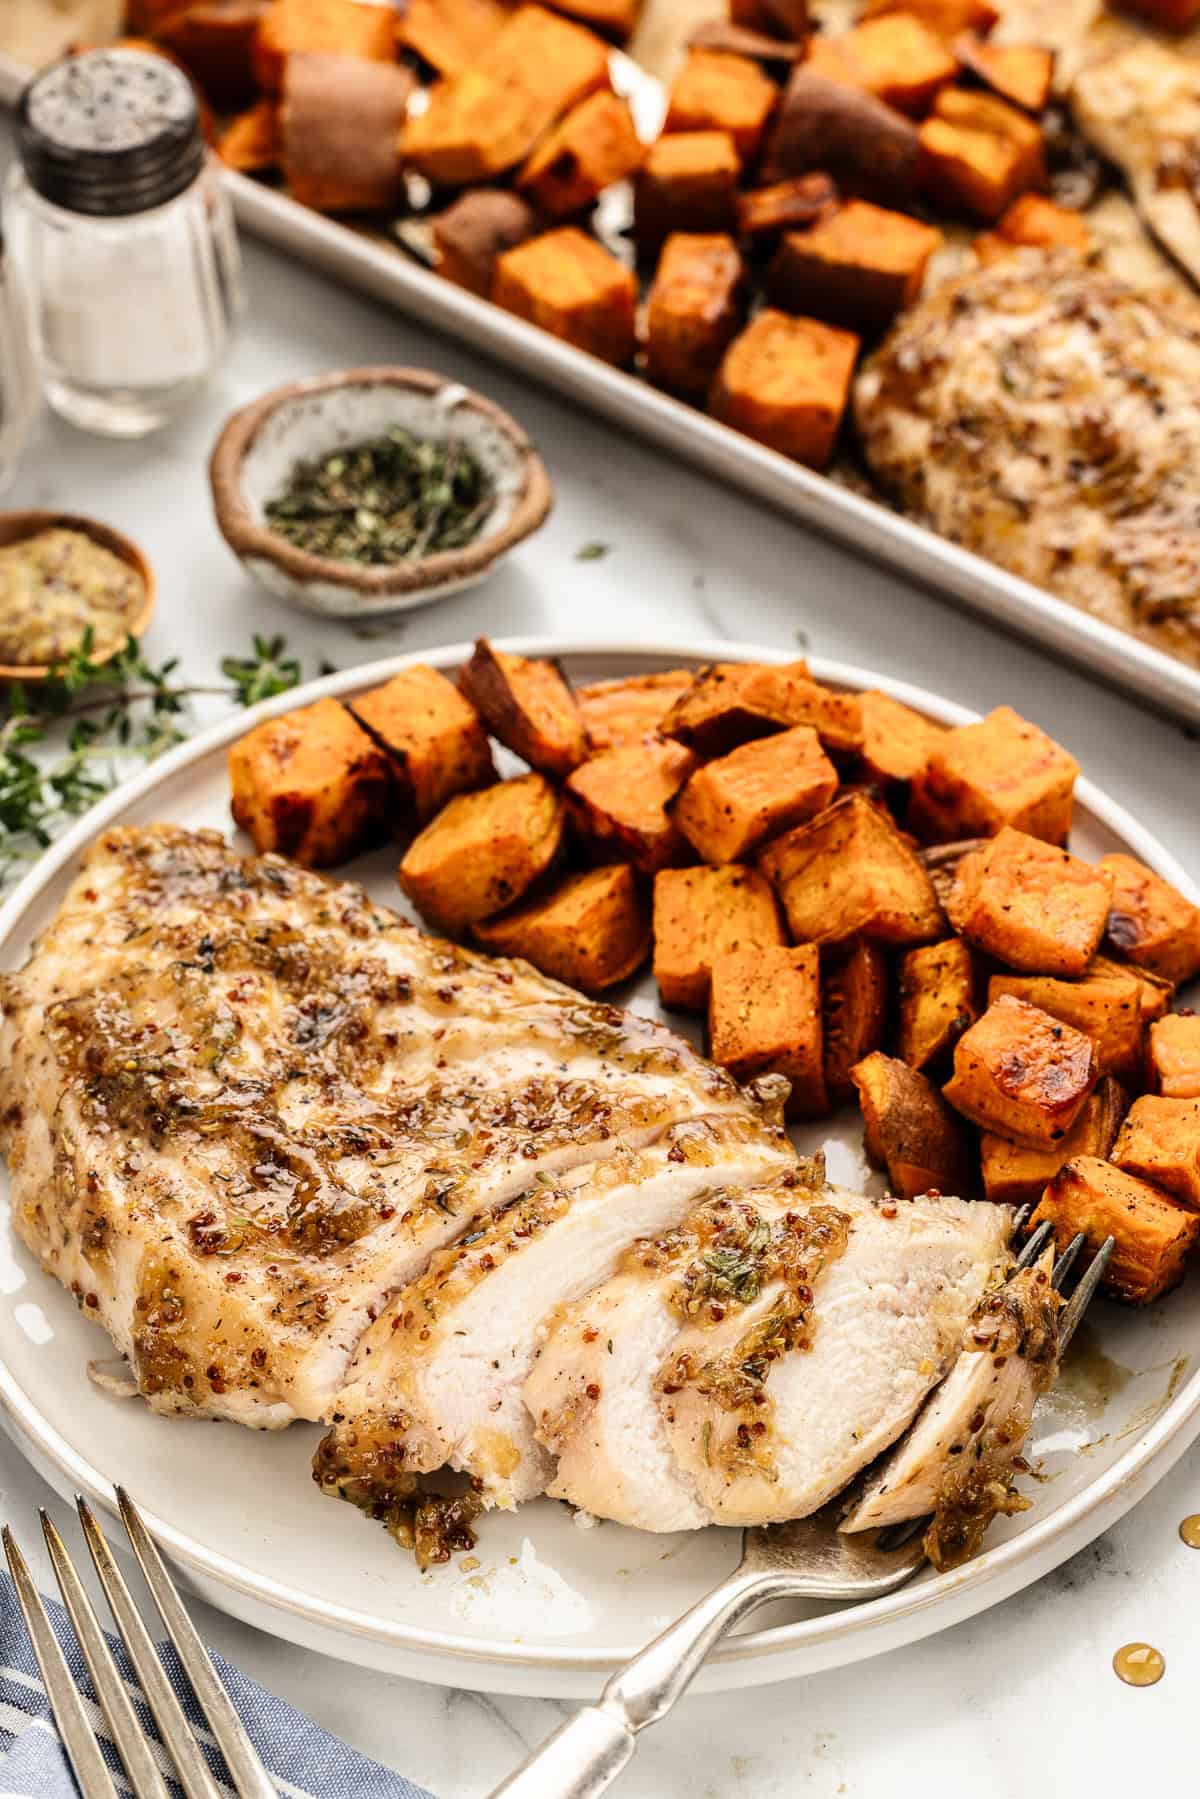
(305, 1762)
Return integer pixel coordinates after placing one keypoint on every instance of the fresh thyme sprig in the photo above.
(105, 715)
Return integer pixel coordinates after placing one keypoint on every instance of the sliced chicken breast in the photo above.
(438, 1379)
(958, 1463)
(761, 1355)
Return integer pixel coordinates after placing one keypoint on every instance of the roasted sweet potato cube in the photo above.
(483, 851)
(1022, 73)
(858, 266)
(829, 124)
(451, 35)
(978, 153)
(1174, 15)
(215, 40)
(948, 18)
(1021, 1073)
(785, 382)
(732, 805)
(1154, 992)
(311, 785)
(1041, 224)
(1153, 1234)
(1105, 1004)
(783, 18)
(854, 1005)
(489, 117)
(595, 145)
(1001, 771)
(475, 231)
(900, 60)
(729, 703)
(433, 738)
(1030, 904)
(339, 131)
(619, 803)
(687, 182)
(717, 92)
(1015, 1174)
(616, 714)
(939, 1000)
(1160, 1143)
(785, 205)
(701, 914)
(910, 1132)
(572, 287)
(591, 931)
(1151, 923)
(334, 27)
(527, 706)
(848, 875)
(897, 742)
(250, 142)
(1175, 1056)
(764, 1017)
(693, 309)
(613, 19)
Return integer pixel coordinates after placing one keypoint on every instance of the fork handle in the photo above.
(585, 1755)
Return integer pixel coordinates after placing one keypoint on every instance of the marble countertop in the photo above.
(1024, 1693)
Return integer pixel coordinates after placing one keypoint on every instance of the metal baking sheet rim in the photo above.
(382, 270)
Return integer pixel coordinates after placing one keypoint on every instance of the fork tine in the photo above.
(127, 1733)
(249, 1776)
(1066, 1261)
(1079, 1301)
(74, 1726)
(1021, 1218)
(186, 1753)
(1035, 1245)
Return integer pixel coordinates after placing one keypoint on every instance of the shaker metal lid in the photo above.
(110, 132)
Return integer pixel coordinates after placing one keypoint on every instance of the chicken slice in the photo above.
(958, 1462)
(438, 1379)
(759, 1360)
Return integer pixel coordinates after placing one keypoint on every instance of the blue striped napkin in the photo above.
(305, 1761)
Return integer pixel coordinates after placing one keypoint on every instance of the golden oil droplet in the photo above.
(1139, 1664)
(1189, 1530)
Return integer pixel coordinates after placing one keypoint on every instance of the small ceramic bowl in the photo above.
(16, 526)
(262, 443)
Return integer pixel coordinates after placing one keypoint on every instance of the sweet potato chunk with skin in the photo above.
(854, 1005)
(732, 805)
(900, 60)
(785, 382)
(718, 92)
(1022, 73)
(1160, 1143)
(897, 742)
(1105, 1004)
(701, 914)
(433, 738)
(616, 714)
(858, 265)
(1151, 923)
(595, 145)
(619, 803)
(330, 27)
(785, 204)
(742, 40)
(527, 706)
(867, 147)
(948, 18)
(250, 143)
(311, 785)
(764, 1017)
(1001, 771)
(1014, 1174)
(849, 874)
(786, 18)
(1030, 904)
(475, 231)
(978, 153)
(451, 35)
(591, 932)
(1175, 1056)
(729, 703)
(693, 309)
(909, 1132)
(939, 1000)
(687, 182)
(1021, 1073)
(1173, 15)
(1153, 1234)
(215, 41)
(613, 19)
(572, 287)
(483, 851)
(488, 118)
(339, 128)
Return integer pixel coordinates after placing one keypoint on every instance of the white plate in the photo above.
(551, 1607)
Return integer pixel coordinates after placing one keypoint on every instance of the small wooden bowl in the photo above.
(16, 526)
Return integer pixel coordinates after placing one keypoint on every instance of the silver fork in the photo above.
(809, 1559)
(250, 1778)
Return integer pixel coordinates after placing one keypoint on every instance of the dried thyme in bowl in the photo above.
(391, 499)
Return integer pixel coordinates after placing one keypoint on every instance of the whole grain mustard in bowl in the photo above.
(65, 580)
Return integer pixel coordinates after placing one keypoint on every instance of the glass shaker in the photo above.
(18, 381)
(122, 237)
